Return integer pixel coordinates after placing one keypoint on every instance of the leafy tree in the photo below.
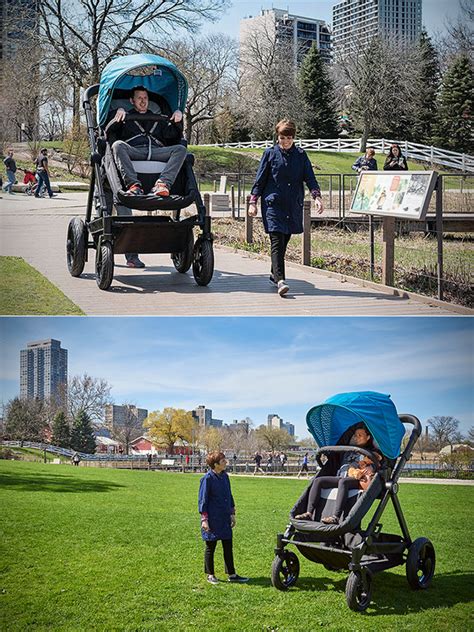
(273, 438)
(318, 100)
(470, 435)
(61, 433)
(428, 79)
(211, 438)
(455, 127)
(170, 425)
(82, 434)
(24, 420)
(444, 429)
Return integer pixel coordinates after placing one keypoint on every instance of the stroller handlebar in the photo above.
(345, 448)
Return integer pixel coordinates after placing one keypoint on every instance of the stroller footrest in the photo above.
(154, 203)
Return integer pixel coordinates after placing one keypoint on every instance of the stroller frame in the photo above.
(371, 551)
(128, 233)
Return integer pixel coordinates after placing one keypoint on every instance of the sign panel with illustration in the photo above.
(398, 194)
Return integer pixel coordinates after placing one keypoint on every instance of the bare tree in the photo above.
(210, 65)
(273, 438)
(268, 83)
(130, 426)
(88, 394)
(444, 429)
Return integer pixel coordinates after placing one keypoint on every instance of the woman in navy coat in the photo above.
(217, 509)
(283, 171)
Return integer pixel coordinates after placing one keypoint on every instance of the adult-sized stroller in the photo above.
(346, 545)
(114, 229)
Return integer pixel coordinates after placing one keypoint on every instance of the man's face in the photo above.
(140, 101)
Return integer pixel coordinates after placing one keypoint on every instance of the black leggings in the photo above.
(278, 242)
(228, 556)
(343, 484)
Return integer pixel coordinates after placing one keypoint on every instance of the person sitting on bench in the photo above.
(356, 472)
(147, 140)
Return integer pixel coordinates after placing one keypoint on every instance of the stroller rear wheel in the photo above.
(76, 246)
(358, 591)
(285, 570)
(203, 261)
(104, 265)
(420, 564)
(183, 260)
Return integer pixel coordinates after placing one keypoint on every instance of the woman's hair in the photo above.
(390, 153)
(285, 127)
(371, 149)
(213, 458)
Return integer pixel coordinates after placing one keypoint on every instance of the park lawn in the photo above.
(102, 549)
(24, 291)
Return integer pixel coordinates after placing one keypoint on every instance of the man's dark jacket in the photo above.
(165, 132)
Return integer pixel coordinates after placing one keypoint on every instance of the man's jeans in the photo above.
(43, 178)
(125, 153)
(11, 181)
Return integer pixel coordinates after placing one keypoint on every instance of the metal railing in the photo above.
(416, 151)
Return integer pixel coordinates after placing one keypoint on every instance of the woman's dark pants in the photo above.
(228, 556)
(279, 242)
(343, 484)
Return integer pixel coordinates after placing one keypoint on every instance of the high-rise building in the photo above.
(356, 22)
(290, 428)
(275, 421)
(43, 369)
(204, 417)
(295, 32)
(116, 416)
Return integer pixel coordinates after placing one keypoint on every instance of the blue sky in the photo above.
(254, 366)
(435, 13)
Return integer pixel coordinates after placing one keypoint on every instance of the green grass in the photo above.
(101, 549)
(24, 291)
(33, 454)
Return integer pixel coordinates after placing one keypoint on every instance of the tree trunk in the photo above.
(76, 115)
(188, 128)
(363, 140)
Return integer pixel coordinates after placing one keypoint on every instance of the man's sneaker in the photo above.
(272, 279)
(212, 579)
(134, 262)
(282, 288)
(238, 579)
(160, 189)
(134, 189)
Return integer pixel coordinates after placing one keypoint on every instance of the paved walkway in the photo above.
(35, 229)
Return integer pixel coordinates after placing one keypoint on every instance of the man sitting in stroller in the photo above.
(146, 140)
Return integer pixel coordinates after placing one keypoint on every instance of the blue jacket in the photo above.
(280, 183)
(215, 499)
(371, 164)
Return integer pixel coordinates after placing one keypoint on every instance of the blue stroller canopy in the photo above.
(327, 422)
(159, 75)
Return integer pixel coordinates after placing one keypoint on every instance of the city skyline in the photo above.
(435, 13)
(250, 367)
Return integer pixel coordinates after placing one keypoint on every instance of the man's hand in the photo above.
(120, 115)
(177, 116)
(232, 521)
(253, 209)
(318, 205)
(205, 525)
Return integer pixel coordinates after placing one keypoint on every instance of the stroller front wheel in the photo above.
(183, 260)
(420, 564)
(358, 591)
(203, 261)
(285, 570)
(104, 265)
(76, 246)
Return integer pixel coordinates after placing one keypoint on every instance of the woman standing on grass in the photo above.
(217, 510)
(283, 171)
(395, 160)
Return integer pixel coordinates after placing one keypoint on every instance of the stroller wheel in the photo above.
(285, 570)
(358, 592)
(104, 265)
(183, 260)
(203, 263)
(420, 564)
(76, 246)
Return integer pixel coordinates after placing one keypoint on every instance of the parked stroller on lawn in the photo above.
(346, 544)
(114, 229)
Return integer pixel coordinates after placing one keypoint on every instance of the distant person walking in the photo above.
(283, 171)
(366, 162)
(42, 173)
(304, 465)
(258, 463)
(395, 160)
(10, 169)
(76, 459)
(217, 509)
(149, 458)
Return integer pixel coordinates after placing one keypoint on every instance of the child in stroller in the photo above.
(356, 472)
(32, 183)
